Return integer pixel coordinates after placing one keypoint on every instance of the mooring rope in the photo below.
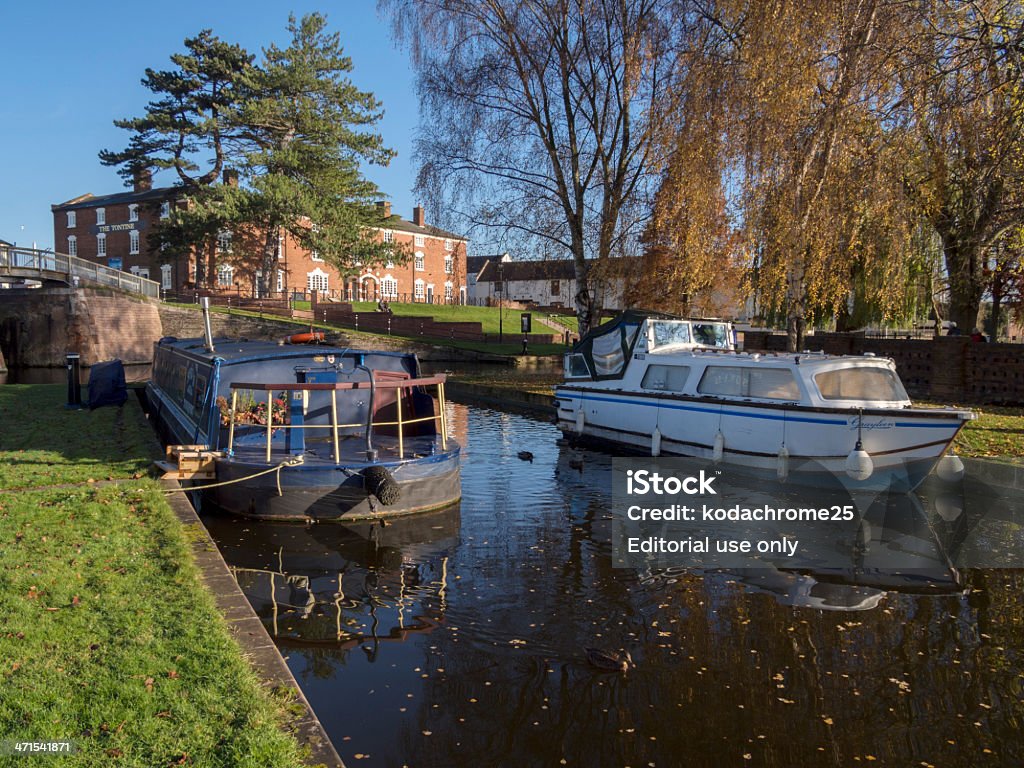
(292, 461)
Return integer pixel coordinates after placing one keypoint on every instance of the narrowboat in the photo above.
(667, 385)
(307, 431)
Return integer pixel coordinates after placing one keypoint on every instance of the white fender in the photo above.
(656, 442)
(719, 450)
(950, 468)
(782, 463)
(859, 465)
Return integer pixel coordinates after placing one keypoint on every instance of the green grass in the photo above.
(486, 316)
(108, 637)
(998, 431)
(42, 443)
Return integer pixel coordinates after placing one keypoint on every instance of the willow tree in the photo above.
(539, 117)
(783, 144)
(964, 112)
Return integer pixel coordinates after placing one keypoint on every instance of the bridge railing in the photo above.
(17, 260)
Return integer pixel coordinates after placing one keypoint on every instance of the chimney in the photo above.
(417, 216)
(142, 179)
(230, 177)
(384, 209)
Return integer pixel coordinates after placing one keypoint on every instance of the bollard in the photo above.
(74, 385)
(526, 341)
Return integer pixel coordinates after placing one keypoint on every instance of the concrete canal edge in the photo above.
(503, 398)
(248, 631)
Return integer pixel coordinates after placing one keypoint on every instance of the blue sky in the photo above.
(67, 70)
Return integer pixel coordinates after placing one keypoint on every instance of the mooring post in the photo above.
(74, 385)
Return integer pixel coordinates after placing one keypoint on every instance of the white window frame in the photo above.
(225, 276)
(419, 263)
(389, 287)
(318, 281)
(72, 219)
(140, 271)
(133, 212)
(389, 236)
(101, 215)
(280, 280)
(314, 255)
(101, 245)
(133, 242)
(166, 277)
(165, 209)
(224, 241)
(449, 291)
(449, 265)
(72, 245)
(420, 241)
(449, 245)
(418, 290)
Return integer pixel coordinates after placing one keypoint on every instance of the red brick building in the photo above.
(112, 230)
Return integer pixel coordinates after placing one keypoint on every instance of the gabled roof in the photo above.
(398, 224)
(89, 200)
(553, 269)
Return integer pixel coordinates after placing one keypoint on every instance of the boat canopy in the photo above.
(606, 349)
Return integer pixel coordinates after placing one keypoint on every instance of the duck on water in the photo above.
(308, 431)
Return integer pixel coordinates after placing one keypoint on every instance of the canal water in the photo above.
(458, 638)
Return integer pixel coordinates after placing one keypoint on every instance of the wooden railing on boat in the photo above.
(378, 384)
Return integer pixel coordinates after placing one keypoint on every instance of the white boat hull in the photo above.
(904, 445)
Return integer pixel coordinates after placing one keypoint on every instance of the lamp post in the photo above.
(501, 291)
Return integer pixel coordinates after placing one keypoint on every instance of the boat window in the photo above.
(671, 378)
(666, 332)
(607, 353)
(578, 366)
(860, 383)
(712, 335)
(749, 381)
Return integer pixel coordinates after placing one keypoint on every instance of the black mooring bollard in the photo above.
(74, 385)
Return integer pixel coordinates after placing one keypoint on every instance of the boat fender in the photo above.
(580, 419)
(950, 469)
(656, 442)
(719, 450)
(381, 483)
(859, 465)
(782, 464)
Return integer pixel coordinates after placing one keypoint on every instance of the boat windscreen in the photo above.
(861, 383)
(712, 335)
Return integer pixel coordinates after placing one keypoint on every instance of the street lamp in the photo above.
(501, 291)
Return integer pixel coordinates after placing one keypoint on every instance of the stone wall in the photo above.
(38, 327)
(949, 369)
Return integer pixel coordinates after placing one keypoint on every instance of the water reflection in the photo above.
(458, 640)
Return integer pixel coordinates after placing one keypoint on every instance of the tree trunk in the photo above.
(584, 299)
(992, 325)
(963, 265)
(269, 262)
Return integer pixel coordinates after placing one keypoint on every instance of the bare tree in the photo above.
(539, 117)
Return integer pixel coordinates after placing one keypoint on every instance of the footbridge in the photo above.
(18, 265)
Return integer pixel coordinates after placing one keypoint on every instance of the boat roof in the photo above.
(245, 351)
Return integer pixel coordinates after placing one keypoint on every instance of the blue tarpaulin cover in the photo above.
(107, 385)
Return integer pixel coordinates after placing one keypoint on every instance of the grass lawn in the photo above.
(486, 316)
(998, 431)
(109, 638)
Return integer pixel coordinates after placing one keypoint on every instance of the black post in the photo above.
(74, 385)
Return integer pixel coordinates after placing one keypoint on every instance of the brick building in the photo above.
(112, 230)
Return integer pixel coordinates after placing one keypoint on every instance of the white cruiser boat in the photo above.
(666, 385)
